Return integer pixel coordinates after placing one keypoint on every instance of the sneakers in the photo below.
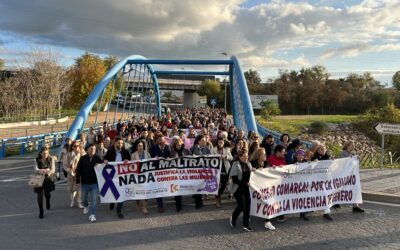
(268, 225)
(92, 218)
(80, 205)
(358, 210)
(72, 204)
(86, 210)
(232, 222)
(247, 229)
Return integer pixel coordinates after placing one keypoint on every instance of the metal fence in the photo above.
(373, 160)
(33, 143)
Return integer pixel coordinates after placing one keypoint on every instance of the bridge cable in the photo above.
(147, 99)
(137, 87)
(111, 95)
(119, 93)
(133, 83)
(126, 92)
(99, 106)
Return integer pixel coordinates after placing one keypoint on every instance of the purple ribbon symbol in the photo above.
(109, 184)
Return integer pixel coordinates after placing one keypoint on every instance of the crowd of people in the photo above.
(196, 131)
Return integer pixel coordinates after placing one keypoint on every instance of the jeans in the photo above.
(242, 196)
(89, 190)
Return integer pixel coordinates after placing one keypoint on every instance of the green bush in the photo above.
(388, 114)
(318, 127)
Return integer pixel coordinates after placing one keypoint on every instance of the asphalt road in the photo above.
(67, 228)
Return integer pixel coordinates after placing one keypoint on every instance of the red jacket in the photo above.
(273, 161)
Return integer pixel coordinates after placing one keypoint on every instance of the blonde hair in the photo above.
(314, 146)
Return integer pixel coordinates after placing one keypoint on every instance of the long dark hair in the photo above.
(197, 139)
(39, 156)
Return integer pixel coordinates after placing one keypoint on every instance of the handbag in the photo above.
(36, 180)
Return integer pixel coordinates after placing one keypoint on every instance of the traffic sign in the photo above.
(387, 128)
(213, 102)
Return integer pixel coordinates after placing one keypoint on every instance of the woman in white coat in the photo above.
(70, 163)
(140, 153)
(226, 156)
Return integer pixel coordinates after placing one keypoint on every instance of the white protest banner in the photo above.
(304, 187)
(152, 178)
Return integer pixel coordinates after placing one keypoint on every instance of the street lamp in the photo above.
(225, 82)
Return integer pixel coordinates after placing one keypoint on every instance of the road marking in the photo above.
(383, 203)
(15, 179)
(2, 170)
(13, 215)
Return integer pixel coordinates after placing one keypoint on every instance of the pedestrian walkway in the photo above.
(381, 185)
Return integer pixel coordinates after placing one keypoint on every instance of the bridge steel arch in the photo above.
(241, 107)
(96, 93)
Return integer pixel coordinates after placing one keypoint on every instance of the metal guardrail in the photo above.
(32, 143)
(277, 136)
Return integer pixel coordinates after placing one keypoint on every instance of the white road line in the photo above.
(15, 179)
(382, 203)
(2, 170)
(14, 215)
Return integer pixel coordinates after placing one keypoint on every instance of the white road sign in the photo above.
(387, 128)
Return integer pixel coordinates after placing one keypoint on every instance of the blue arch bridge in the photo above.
(140, 74)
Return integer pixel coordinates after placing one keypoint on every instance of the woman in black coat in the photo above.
(45, 165)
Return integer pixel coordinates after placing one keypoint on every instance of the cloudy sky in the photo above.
(343, 35)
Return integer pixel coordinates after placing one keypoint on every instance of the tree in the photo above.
(252, 77)
(168, 96)
(1, 64)
(86, 72)
(396, 80)
(211, 89)
(109, 61)
(39, 87)
(269, 108)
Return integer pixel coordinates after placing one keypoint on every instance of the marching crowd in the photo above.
(196, 131)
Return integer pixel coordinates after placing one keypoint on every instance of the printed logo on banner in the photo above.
(174, 188)
(129, 192)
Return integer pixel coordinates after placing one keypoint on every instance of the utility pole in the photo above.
(225, 82)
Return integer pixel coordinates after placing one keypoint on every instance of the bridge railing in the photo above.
(277, 136)
(33, 143)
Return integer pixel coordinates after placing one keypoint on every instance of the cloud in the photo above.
(355, 50)
(204, 29)
(301, 61)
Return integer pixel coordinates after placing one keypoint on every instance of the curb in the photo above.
(381, 197)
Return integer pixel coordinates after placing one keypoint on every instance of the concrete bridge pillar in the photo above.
(190, 99)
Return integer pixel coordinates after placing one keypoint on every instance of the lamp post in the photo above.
(225, 83)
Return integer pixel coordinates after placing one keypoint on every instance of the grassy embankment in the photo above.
(293, 124)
